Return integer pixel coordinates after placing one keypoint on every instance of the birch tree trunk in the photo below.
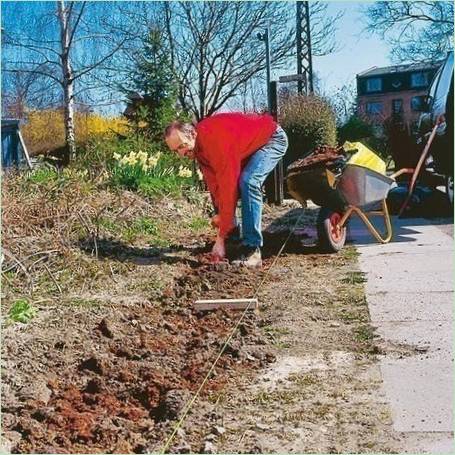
(67, 81)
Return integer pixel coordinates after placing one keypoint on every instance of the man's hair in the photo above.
(185, 128)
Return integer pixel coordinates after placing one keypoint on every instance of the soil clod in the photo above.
(93, 364)
(105, 328)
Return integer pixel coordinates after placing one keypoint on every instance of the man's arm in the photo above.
(210, 180)
(227, 174)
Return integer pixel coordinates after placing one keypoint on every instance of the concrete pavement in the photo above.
(410, 292)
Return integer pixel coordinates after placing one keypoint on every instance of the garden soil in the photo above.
(113, 369)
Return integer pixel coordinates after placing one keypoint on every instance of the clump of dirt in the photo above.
(325, 156)
(142, 372)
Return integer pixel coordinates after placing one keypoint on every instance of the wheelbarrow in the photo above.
(358, 190)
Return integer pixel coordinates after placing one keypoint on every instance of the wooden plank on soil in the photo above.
(230, 304)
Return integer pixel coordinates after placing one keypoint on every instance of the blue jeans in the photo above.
(259, 166)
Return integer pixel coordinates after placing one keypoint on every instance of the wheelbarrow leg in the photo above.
(384, 212)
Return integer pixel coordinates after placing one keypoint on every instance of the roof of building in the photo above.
(375, 71)
(10, 124)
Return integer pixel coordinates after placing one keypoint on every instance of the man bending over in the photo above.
(235, 152)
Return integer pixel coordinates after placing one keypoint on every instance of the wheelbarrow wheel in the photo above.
(331, 237)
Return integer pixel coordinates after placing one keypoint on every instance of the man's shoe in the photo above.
(250, 257)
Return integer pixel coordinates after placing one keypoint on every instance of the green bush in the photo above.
(309, 122)
(355, 129)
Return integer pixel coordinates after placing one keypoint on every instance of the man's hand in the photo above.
(219, 250)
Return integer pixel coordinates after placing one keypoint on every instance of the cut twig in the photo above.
(19, 263)
(112, 273)
(53, 278)
(47, 253)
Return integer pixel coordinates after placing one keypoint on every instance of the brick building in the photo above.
(401, 89)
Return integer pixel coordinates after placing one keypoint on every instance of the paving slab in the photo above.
(435, 443)
(422, 261)
(410, 292)
(411, 306)
(436, 335)
(402, 281)
(407, 234)
(422, 400)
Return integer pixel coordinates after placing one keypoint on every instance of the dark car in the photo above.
(439, 104)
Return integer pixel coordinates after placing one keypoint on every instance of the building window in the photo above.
(374, 84)
(419, 80)
(418, 103)
(374, 108)
(397, 106)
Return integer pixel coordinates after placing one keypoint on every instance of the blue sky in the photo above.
(358, 50)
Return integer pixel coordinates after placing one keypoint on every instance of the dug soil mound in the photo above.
(115, 352)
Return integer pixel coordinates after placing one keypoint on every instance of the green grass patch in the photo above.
(352, 316)
(364, 333)
(144, 228)
(43, 176)
(275, 334)
(109, 225)
(21, 311)
(281, 396)
(303, 380)
(354, 277)
(349, 252)
(151, 187)
(198, 224)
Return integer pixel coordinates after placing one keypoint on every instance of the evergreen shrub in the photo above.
(309, 122)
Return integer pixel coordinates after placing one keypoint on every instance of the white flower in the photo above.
(199, 174)
(184, 172)
(142, 157)
(124, 161)
(152, 161)
(131, 159)
(117, 156)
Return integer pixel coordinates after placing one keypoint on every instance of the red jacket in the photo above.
(223, 144)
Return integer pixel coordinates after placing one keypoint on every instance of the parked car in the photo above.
(439, 102)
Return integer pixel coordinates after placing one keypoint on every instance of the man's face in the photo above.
(182, 143)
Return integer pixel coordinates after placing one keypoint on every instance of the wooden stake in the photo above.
(230, 304)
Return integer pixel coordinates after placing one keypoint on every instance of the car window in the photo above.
(434, 84)
(442, 88)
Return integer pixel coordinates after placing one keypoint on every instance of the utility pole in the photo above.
(265, 36)
(274, 182)
(304, 60)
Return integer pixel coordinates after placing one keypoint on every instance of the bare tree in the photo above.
(417, 31)
(342, 99)
(215, 51)
(53, 46)
(20, 91)
(323, 29)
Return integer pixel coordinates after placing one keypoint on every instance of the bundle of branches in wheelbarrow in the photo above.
(332, 158)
